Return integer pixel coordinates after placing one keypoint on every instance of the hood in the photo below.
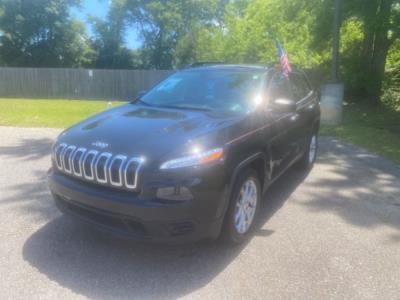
(151, 132)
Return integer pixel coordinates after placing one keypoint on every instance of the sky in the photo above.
(99, 8)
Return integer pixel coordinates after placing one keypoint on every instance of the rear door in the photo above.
(306, 102)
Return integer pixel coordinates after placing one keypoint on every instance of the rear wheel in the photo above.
(310, 155)
(243, 207)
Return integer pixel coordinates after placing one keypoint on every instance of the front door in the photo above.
(284, 146)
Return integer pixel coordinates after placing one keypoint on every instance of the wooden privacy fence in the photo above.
(86, 84)
(76, 83)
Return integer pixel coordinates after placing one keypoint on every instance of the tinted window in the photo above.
(299, 85)
(218, 90)
(280, 88)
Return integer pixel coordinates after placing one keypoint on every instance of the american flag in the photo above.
(286, 68)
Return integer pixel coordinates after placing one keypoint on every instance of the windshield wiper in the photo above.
(187, 107)
(139, 100)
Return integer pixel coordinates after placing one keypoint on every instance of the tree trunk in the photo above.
(378, 70)
(361, 88)
(368, 46)
(369, 12)
(380, 51)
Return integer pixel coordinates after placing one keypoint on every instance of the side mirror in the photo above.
(283, 106)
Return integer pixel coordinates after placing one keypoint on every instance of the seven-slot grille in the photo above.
(101, 167)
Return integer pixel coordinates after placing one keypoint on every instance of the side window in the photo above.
(280, 88)
(299, 85)
(306, 83)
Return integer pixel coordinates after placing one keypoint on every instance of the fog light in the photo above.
(174, 193)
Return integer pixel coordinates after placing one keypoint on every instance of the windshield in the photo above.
(216, 90)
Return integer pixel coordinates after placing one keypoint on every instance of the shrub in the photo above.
(391, 89)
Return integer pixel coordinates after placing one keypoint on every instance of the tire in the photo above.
(236, 229)
(307, 160)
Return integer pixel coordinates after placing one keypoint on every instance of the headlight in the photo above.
(194, 160)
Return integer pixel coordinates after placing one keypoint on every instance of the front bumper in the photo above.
(142, 215)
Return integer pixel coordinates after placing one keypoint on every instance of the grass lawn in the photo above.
(48, 113)
(374, 128)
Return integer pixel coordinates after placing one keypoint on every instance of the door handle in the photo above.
(294, 117)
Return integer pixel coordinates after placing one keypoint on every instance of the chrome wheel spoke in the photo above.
(251, 214)
(248, 213)
(237, 215)
(313, 149)
(242, 222)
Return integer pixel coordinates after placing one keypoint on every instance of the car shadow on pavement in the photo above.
(98, 265)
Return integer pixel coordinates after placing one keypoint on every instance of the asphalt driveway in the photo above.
(332, 233)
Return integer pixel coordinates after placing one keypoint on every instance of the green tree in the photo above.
(376, 32)
(109, 44)
(41, 33)
(166, 27)
(248, 33)
(381, 30)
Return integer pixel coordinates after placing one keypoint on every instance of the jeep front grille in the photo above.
(99, 167)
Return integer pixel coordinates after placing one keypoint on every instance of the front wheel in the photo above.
(307, 161)
(243, 207)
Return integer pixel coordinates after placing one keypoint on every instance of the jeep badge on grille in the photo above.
(99, 144)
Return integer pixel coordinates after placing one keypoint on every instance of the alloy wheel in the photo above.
(246, 206)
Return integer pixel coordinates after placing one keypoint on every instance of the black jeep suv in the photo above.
(191, 157)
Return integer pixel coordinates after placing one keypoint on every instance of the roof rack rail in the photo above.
(204, 63)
